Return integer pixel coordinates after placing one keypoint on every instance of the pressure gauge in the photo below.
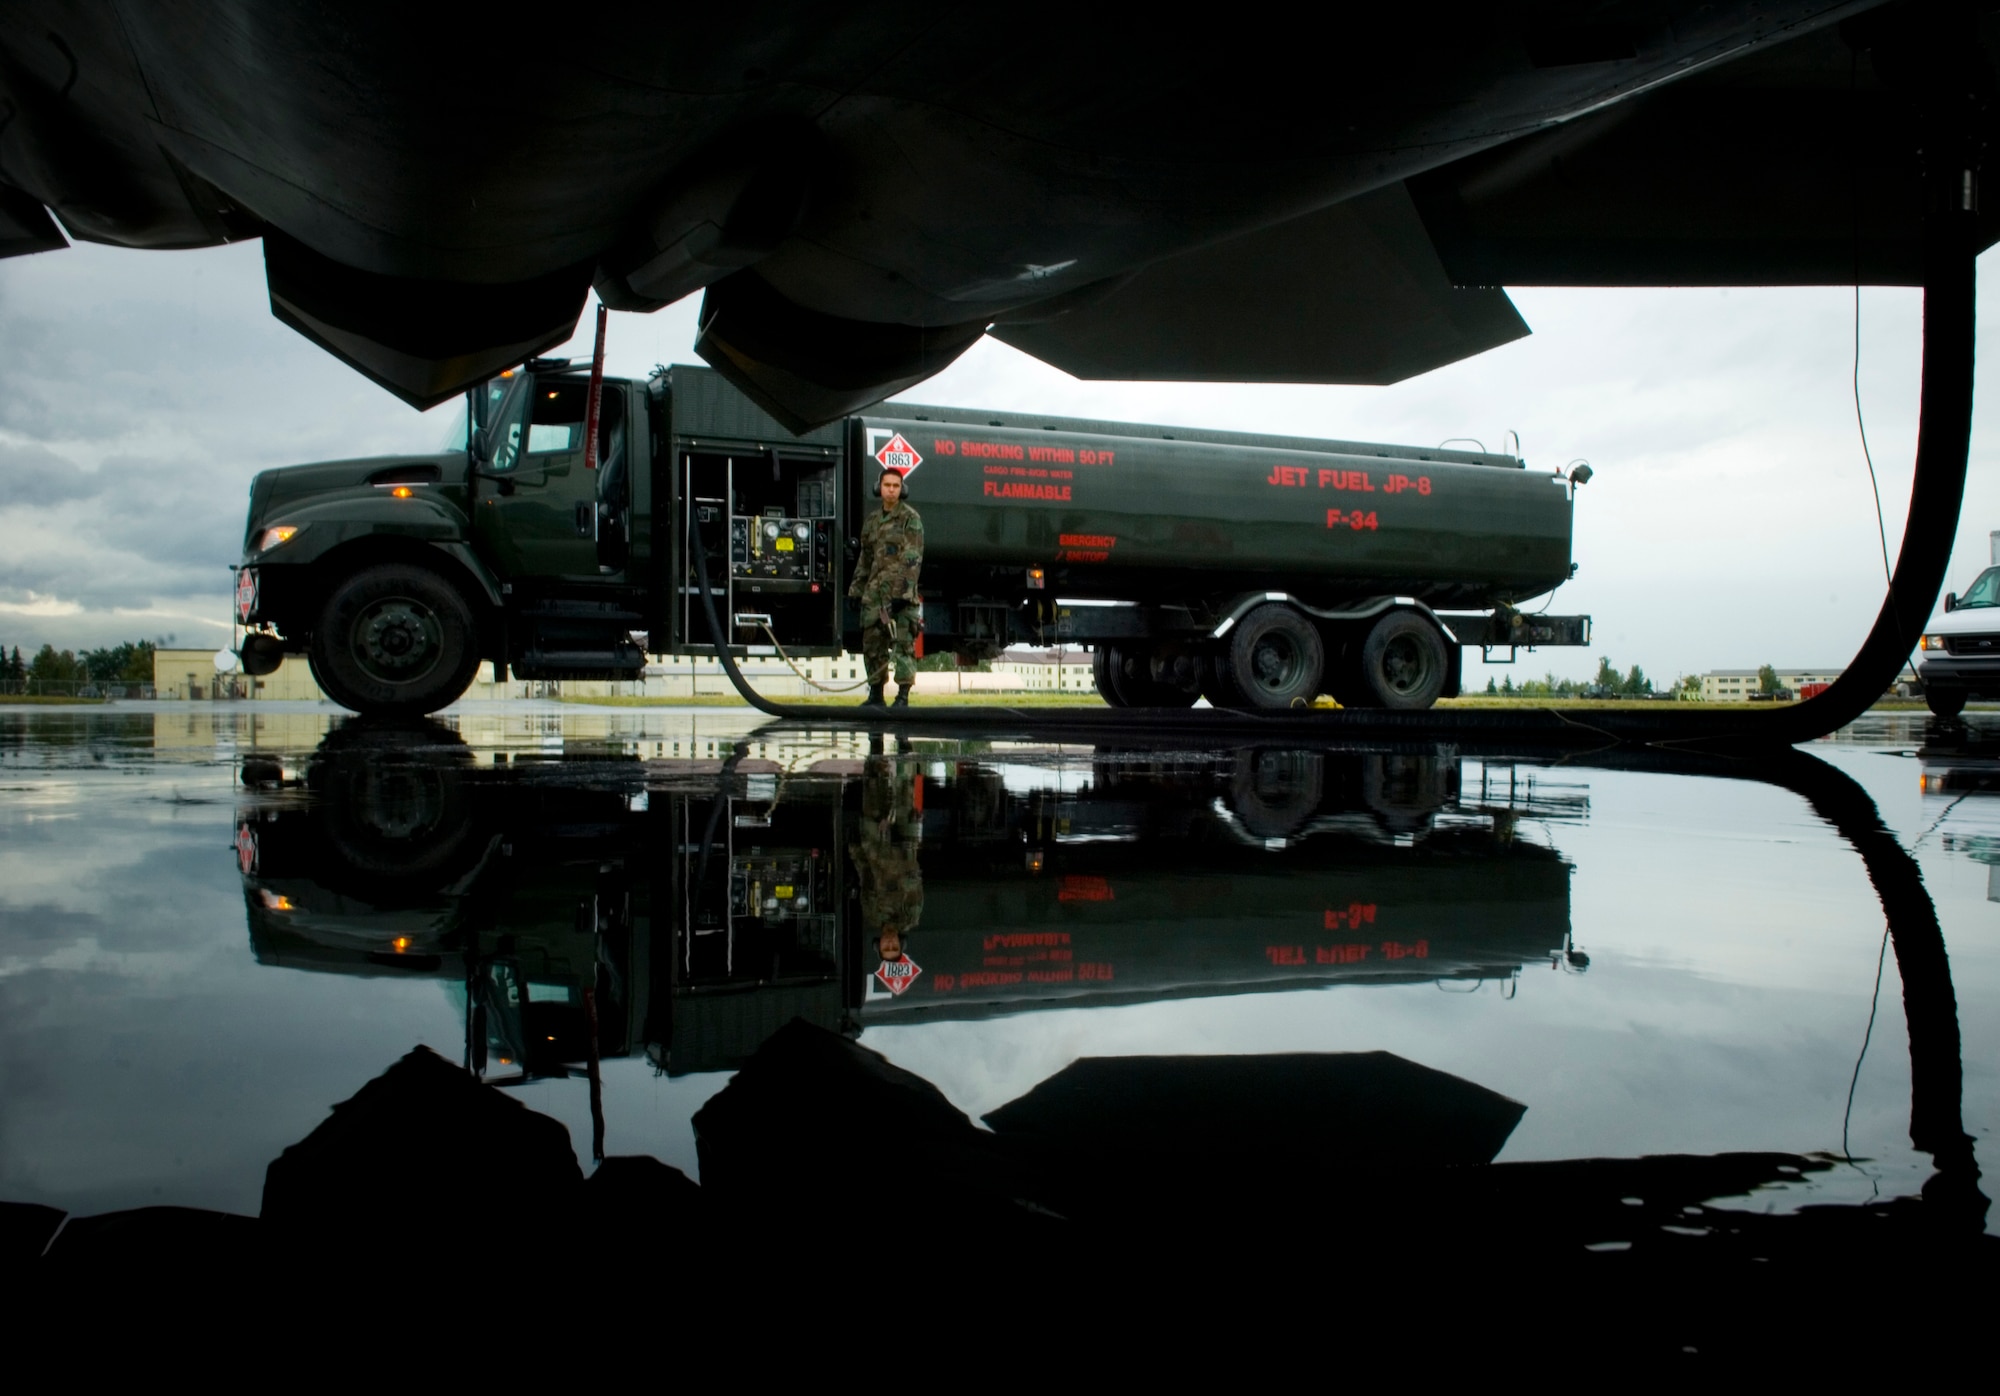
(770, 530)
(802, 532)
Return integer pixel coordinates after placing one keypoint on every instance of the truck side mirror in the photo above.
(1951, 601)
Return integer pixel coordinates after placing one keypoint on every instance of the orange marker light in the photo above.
(401, 943)
(402, 491)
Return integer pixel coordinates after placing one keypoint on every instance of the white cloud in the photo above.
(39, 605)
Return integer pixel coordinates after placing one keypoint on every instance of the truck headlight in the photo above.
(1931, 642)
(271, 537)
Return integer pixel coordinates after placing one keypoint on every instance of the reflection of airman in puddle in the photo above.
(885, 858)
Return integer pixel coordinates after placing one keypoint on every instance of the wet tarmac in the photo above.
(1631, 998)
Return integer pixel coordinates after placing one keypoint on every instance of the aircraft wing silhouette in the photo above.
(864, 192)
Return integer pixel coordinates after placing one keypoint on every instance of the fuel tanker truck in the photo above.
(1258, 571)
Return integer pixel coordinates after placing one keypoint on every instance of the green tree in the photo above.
(1491, 686)
(51, 665)
(1507, 686)
(1767, 680)
(1687, 688)
(1607, 677)
(946, 662)
(131, 662)
(1635, 684)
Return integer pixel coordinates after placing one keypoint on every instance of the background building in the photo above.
(1737, 685)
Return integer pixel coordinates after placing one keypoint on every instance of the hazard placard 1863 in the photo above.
(899, 455)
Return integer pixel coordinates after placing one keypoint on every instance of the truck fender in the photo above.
(1367, 610)
(462, 554)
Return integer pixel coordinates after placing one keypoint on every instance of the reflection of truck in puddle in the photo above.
(628, 908)
(1960, 778)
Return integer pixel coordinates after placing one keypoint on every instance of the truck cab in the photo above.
(1256, 571)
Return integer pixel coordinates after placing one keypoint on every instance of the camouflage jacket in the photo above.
(892, 554)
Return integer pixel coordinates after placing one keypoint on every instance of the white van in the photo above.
(1961, 647)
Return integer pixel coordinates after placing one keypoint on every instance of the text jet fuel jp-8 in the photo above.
(1256, 571)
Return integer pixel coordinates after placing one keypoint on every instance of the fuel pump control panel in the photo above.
(794, 553)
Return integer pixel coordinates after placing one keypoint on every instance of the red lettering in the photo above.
(1352, 915)
(1340, 954)
(1076, 888)
(1087, 540)
(1285, 954)
(1392, 950)
(991, 450)
(941, 447)
(1098, 972)
(1057, 493)
(1018, 940)
(1423, 484)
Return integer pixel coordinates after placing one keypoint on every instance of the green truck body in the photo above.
(1258, 571)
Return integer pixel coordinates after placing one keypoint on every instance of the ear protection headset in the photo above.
(885, 475)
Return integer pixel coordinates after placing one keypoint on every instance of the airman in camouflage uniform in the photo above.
(885, 855)
(885, 583)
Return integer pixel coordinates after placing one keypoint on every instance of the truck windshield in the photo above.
(453, 438)
(1985, 591)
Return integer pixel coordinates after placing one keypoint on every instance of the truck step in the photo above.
(621, 662)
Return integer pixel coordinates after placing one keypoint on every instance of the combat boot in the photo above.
(902, 696)
(874, 698)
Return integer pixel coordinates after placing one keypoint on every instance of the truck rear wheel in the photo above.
(1101, 673)
(396, 641)
(1403, 662)
(1131, 673)
(1275, 658)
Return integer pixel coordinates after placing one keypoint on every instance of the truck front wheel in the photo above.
(1403, 662)
(395, 641)
(1944, 702)
(1275, 658)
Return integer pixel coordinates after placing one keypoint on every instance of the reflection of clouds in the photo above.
(145, 1056)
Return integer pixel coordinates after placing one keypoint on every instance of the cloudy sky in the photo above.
(1729, 524)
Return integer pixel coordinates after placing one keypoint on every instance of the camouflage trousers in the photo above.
(882, 643)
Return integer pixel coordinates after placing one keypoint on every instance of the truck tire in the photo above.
(394, 640)
(395, 818)
(1218, 685)
(1132, 675)
(1274, 793)
(1276, 658)
(1404, 664)
(1945, 702)
(1102, 673)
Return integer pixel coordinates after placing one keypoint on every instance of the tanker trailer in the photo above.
(1259, 571)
